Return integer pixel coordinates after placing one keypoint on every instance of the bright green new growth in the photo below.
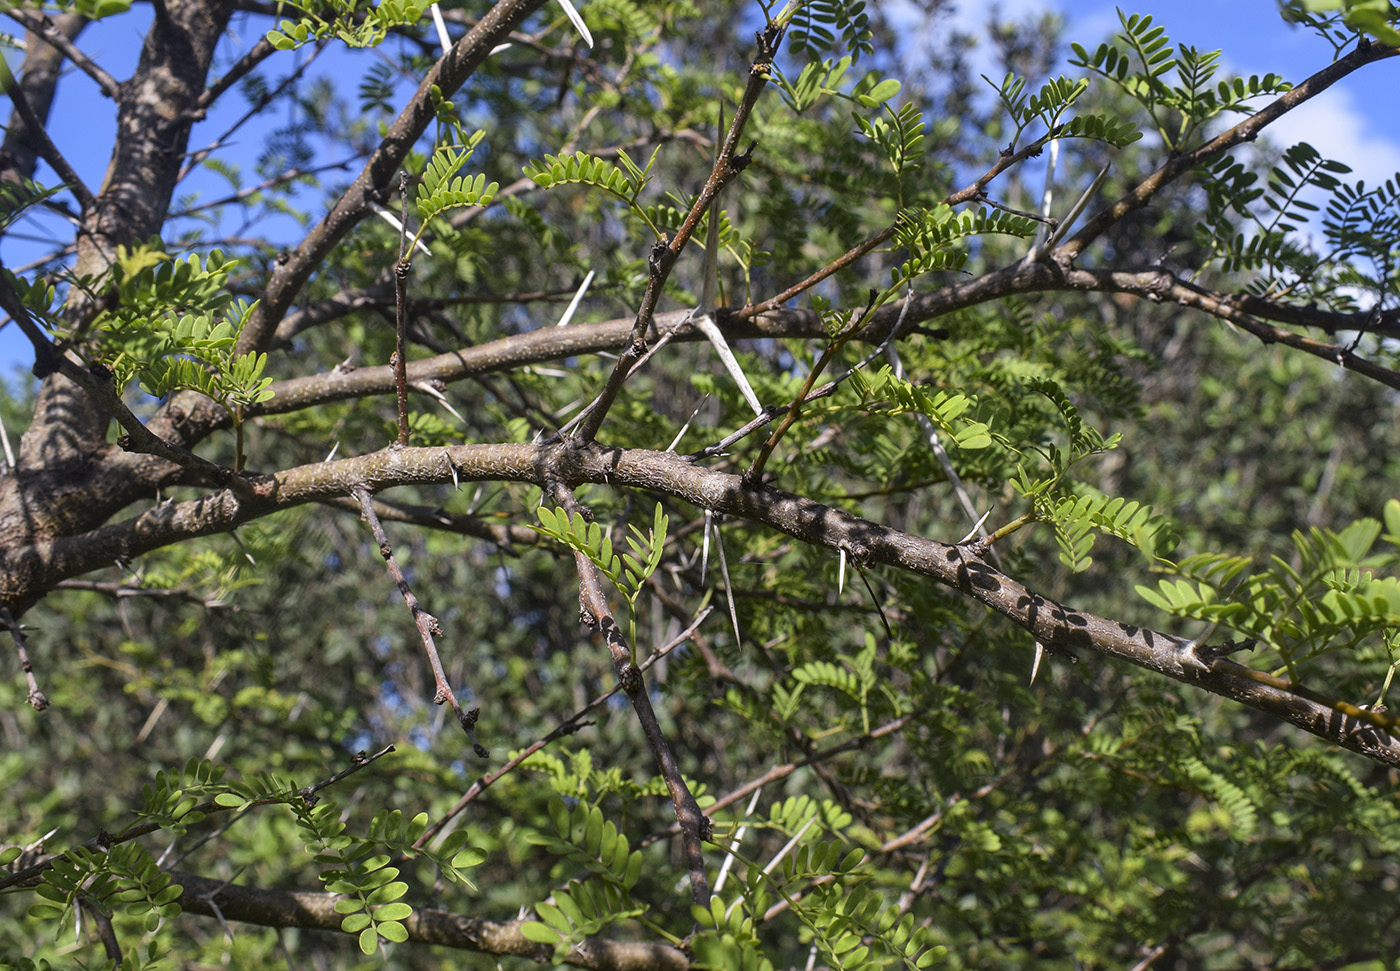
(442, 190)
(192, 349)
(1335, 596)
(584, 838)
(625, 183)
(356, 23)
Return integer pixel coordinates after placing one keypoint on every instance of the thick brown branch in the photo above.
(290, 908)
(30, 571)
(447, 75)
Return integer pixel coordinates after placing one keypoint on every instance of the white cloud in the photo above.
(1333, 123)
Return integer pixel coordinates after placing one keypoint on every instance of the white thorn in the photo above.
(736, 842)
(456, 486)
(334, 448)
(686, 427)
(777, 857)
(573, 304)
(728, 588)
(9, 452)
(977, 528)
(731, 364)
(428, 389)
(1035, 665)
(705, 547)
(1042, 234)
(443, 39)
(579, 25)
(393, 220)
(1074, 210)
(841, 573)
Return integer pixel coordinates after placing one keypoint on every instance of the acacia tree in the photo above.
(772, 362)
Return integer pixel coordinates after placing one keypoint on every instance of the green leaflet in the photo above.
(1141, 62)
(356, 23)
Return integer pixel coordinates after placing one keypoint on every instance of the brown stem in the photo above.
(58, 33)
(971, 193)
(48, 151)
(728, 164)
(1247, 130)
(37, 699)
(27, 572)
(788, 768)
(694, 826)
(425, 622)
(135, 831)
(566, 727)
(447, 75)
(833, 347)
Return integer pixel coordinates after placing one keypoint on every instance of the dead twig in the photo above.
(426, 623)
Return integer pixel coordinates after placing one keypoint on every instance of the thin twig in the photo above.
(401, 270)
(50, 33)
(568, 726)
(857, 321)
(357, 762)
(728, 164)
(48, 151)
(786, 769)
(37, 700)
(426, 623)
(122, 591)
(255, 55)
(694, 827)
(105, 840)
(290, 175)
(260, 51)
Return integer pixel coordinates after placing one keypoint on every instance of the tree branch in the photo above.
(1246, 131)
(27, 572)
(728, 164)
(446, 75)
(56, 33)
(695, 827)
(1159, 285)
(48, 151)
(426, 623)
(37, 699)
(290, 908)
(105, 840)
(567, 727)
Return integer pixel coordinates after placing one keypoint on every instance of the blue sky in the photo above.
(1357, 121)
